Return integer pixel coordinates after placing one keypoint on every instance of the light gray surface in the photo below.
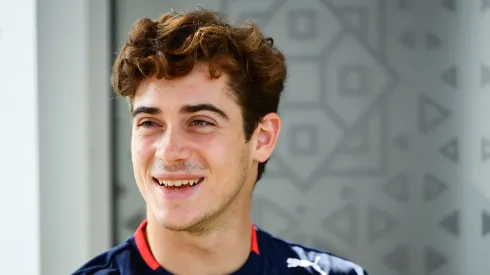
(385, 143)
(54, 142)
(74, 132)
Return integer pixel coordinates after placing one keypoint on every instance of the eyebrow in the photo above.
(185, 109)
(146, 110)
(204, 107)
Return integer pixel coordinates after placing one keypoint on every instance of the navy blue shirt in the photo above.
(268, 256)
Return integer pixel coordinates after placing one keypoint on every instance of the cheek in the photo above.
(222, 151)
(209, 149)
(141, 149)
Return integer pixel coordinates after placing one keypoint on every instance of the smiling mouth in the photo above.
(178, 184)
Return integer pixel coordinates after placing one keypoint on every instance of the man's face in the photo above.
(190, 157)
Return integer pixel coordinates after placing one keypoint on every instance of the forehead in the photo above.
(195, 87)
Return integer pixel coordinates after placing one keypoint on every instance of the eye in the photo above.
(200, 123)
(147, 124)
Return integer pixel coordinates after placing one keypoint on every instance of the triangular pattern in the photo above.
(370, 159)
(398, 259)
(431, 114)
(450, 223)
(450, 77)
(450, 150)
(432, 41)
(398, 188)
(380, 223)
(343, 223)
(433, 187)
(449, 4)
(433, 260)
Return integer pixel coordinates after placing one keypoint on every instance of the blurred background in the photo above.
(383, 157)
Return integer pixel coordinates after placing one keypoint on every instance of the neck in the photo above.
(203, 253)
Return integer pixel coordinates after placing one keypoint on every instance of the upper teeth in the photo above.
(190, 182)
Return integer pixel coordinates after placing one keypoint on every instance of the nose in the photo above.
(172, 146)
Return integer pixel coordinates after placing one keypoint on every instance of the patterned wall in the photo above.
(384, 153)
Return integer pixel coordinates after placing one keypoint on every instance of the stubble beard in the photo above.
(216, 217)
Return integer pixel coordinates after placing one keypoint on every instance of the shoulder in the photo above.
(301, 256)
(106, 263)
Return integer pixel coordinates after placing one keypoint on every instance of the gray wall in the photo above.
(73, 115)
(383, 152)
(54, 135)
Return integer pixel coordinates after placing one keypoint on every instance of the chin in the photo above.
(193, 225)
(180, 221)
(175, 219)
(179, 227)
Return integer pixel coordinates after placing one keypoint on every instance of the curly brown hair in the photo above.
(170, 47)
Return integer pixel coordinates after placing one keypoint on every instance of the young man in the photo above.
(203, 97)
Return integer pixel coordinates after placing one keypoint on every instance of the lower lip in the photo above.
(177, 193)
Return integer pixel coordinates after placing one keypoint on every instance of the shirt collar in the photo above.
(144, 249)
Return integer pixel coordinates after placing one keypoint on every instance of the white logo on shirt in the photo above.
(324, 263)
(305, 263)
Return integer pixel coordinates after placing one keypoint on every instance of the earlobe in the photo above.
(267, 135)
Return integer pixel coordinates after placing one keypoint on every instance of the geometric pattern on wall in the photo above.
(346, 97)
(337, 50)
(352, 102)
(370, 159)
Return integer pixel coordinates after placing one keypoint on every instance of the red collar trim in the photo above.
(144, 250)
(139, 237)
(255, 242)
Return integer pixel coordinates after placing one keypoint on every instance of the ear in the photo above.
(265, 136)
